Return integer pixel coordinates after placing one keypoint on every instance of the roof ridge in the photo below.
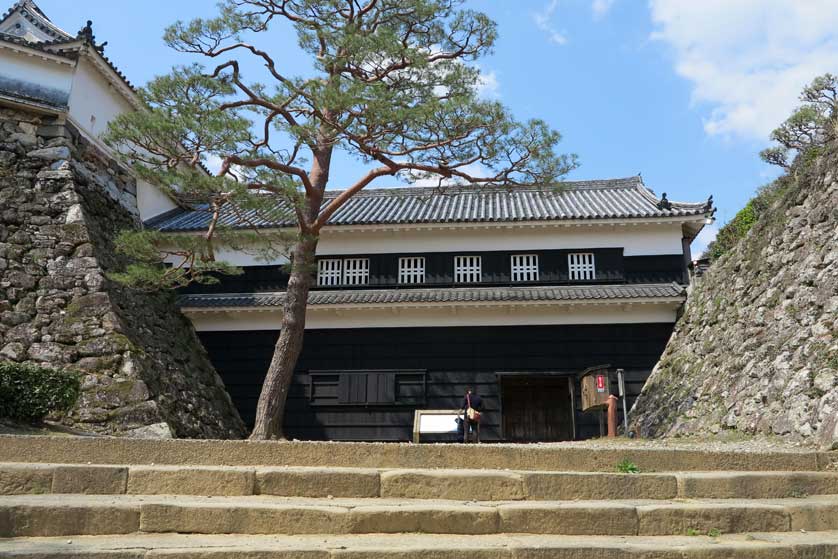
(592, 184)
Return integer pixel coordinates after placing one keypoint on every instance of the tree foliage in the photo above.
(801, 137)
(809, 126)
(738, 227)
(394, 84)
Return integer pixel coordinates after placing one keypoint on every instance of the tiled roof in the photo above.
(60, 43)
(365, 297)
(599, 199)
(34, 15)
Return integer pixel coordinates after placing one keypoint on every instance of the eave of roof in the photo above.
(614, 199)
(36, 16)
(469, 296)
(68, 47)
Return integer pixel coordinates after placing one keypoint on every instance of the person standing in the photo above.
(471, 407)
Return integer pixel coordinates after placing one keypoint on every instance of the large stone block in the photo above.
(756, 485)
(25, 479)
(466, 485)
(317, 482)
(90, 480)
(728, 518)
(54, 519)
(572, 518)
(568, 486)
(817, 514)
(176, 480)
(425, 518)
(254, 518)
(51, 154)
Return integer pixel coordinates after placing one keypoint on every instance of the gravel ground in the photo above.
(734, 442)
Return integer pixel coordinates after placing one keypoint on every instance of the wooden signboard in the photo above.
(596, 387)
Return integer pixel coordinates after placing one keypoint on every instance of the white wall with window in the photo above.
(581, 266)
(468, 269)
(412, 269)
(356, 271)
(329, 272)
(332, 272)
(524, 267)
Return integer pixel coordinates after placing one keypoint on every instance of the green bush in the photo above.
(738, 227)
(29, 393)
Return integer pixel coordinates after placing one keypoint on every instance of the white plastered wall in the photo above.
(151, 201)
(440, 316)
(93, 101)
(636, 239)
(36, 70)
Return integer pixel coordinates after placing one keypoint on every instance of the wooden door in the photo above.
(537, 409)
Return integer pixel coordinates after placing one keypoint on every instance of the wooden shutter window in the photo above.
(412, 269)
(524, 267)
(581, 266)
(356, 271)
(468, 269)
(367, 388)
(352, 388)
(329, 272)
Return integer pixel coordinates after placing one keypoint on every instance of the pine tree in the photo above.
(394, 83)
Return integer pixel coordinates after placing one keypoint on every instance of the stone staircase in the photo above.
(116, 498)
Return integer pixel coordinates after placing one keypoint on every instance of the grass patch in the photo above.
(628, 467)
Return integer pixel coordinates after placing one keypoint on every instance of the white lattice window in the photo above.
(524, 267)
(581, 265)
(329, 271)
(412, 269)
(356, 271)
(468, 269)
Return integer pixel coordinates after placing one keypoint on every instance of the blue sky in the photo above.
(683, 91)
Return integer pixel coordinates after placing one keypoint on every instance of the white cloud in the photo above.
(488, 86)
(544, 21)
(707, 236)
(601, 8)
(748, 59)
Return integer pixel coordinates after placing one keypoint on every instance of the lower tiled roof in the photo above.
(364, 297)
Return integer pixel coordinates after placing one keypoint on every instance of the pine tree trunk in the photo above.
(271, 407)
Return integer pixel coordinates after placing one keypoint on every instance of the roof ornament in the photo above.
(86, 35)
(708, 206)
(664, 204)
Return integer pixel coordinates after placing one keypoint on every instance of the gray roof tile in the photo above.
(441, 295)
(600, 199)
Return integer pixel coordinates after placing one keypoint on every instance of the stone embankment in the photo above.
(111, 498)
(62, 204)
(756, 349)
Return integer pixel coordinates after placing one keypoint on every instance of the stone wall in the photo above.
(756, 350)
(61, 206)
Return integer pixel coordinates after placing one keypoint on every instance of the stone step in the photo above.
(484, 485)
(567, 457)
(80, 515)
(811, 545)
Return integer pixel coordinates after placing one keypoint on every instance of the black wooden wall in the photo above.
(611, 267)
(452, 359)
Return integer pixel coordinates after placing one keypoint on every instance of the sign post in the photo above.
(621, 381)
